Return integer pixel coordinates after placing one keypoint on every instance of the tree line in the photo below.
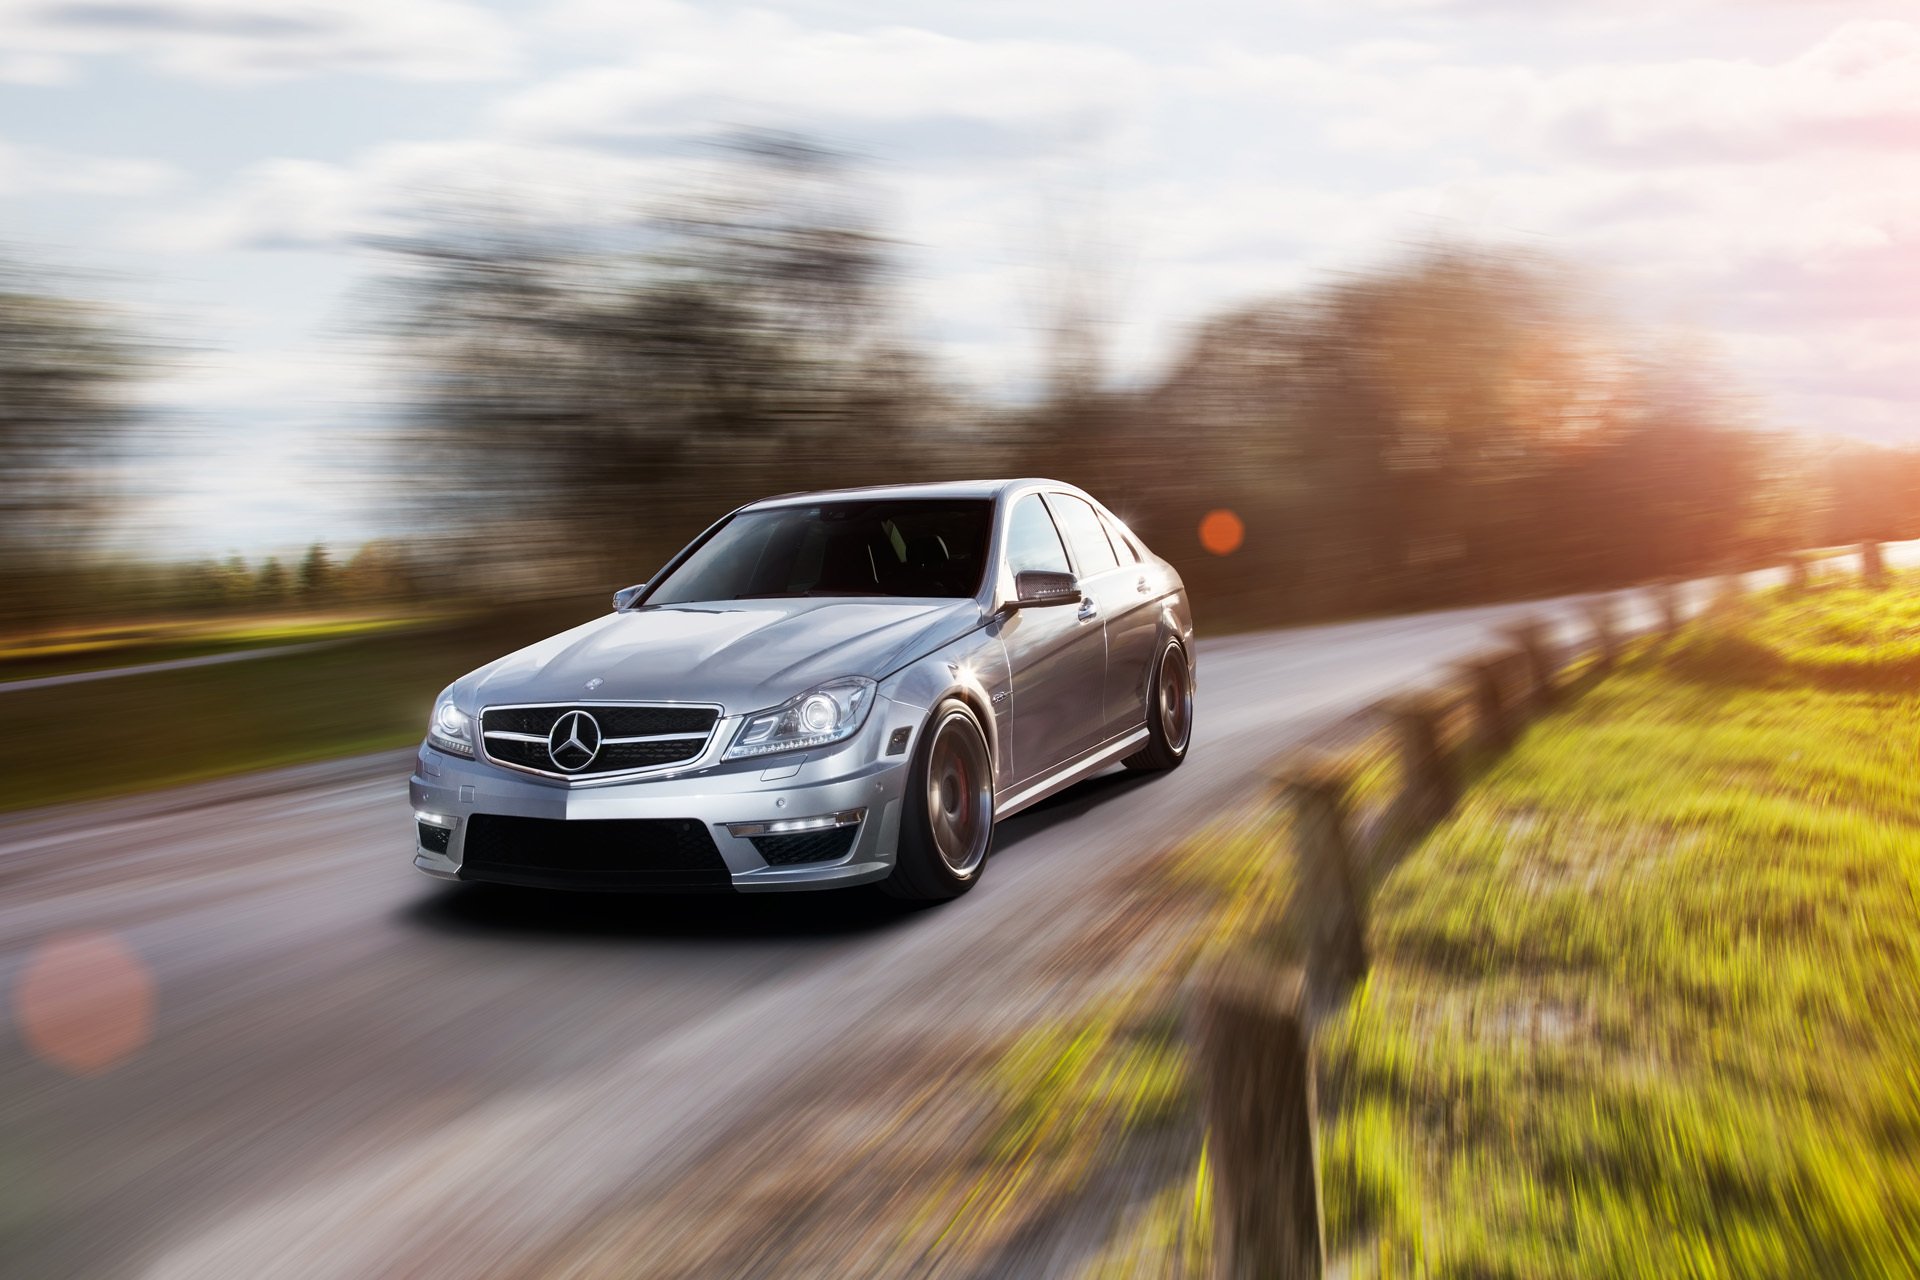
(1456, 424)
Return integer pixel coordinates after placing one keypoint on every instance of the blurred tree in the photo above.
(1875, 493)
(236, 583)
(1458, 425)
(595, 406)
(379, 573)
(316, 575)
(65, 367)
(270, 584)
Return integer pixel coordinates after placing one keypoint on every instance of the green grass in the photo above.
(134, 644)
(134, 733)
(1648, 1004)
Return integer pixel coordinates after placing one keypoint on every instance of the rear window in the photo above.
(1123, 544)
(1085, 534)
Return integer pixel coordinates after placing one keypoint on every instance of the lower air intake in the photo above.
(606, 853)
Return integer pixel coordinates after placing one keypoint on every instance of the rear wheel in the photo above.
(946, 826)
(1169, 712)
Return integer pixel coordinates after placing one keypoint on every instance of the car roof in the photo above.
(936, 489)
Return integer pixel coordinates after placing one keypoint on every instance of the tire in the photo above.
(946, 822)
(1169, 713)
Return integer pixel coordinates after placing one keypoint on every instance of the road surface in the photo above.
(355, 1071)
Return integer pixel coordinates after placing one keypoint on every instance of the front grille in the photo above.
(600, 853)
(615, 721)
(806, 846)
(434, 839)
(671, 735)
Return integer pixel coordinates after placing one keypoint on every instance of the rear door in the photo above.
(1057, 656)
(1111, 575)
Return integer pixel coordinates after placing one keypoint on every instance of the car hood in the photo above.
(745, 655)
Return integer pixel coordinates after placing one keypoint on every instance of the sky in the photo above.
(1740, 172)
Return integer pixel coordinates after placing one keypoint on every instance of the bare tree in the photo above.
(607, 400)
(65, 367)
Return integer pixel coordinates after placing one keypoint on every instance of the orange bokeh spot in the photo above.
(84, 1002)
(1221, 532)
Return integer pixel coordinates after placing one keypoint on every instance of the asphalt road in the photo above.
(355, 1071)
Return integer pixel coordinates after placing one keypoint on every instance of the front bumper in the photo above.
(448, 790)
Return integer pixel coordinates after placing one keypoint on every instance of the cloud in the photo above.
(26, 170)
(307, 204)
(1858, 88)
(245, 40)
(976, 97)
(1750, 195)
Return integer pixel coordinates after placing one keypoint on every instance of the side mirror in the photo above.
(623, 598)
(1040, 589)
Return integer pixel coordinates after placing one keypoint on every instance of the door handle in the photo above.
(1087, 609)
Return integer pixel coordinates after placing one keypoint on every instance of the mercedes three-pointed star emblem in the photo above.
(573, 741)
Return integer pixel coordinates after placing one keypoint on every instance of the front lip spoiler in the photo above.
(604, 881)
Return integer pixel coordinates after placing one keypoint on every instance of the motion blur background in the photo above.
(340, 306)
(346, 345)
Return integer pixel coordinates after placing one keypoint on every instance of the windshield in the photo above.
(912, 548)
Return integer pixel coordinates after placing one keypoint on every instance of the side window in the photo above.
(1032, 541)
(1084, 530)
(1122, 545)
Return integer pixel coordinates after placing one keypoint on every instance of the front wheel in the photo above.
(946, 826)
(1169, 712)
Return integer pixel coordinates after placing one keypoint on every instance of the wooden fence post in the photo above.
(1256, 1062)
(1329, 901)
(1487, 688)
(1666, 598)
(1729, 592)
(1797, 573)
(1873, 566)
(1530, 638)
(1606, 641)
(1427, 782)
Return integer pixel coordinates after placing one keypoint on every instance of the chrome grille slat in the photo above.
(515, 737)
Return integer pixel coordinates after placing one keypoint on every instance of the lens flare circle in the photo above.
(1221, 532)
(84, 1002)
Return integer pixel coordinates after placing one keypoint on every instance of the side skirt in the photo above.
(1032, 793)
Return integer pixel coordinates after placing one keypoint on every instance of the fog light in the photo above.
(792, 826)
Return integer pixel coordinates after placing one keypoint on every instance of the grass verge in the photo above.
(134, 733)
(1648, 1004)
(134, 644)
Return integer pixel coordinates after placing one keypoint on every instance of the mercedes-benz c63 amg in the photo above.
(821, 690)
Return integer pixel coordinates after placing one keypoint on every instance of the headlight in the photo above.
(450, 729)
(831, 713)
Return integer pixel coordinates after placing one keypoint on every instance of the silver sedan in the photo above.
(821, 690)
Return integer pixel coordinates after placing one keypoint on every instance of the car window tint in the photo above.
(1122, 544)
(1032, 541)
(1085, 532)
